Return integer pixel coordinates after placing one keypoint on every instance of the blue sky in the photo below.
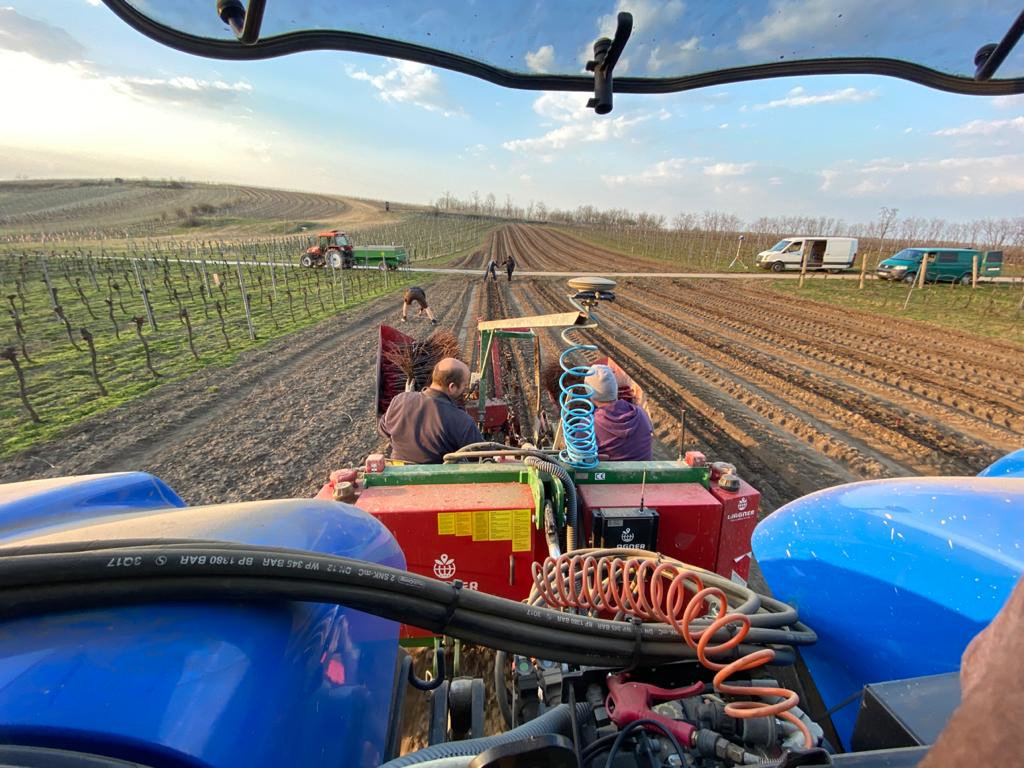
(87, 96)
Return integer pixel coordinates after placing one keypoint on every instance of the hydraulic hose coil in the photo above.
(577, 412)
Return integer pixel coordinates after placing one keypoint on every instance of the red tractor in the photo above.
(332, 249)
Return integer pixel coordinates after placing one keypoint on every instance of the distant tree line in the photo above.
(992, 233)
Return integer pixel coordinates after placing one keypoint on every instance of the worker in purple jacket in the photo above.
(623, 429)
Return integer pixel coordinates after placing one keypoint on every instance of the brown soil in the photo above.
(798, 395)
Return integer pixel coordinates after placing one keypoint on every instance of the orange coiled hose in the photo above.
(670, 592)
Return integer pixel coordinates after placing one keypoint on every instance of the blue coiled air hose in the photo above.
(577, 409)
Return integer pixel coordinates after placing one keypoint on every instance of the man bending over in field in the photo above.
(417, 294)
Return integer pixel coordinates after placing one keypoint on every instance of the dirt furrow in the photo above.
(892, 434)
(993, 356)
(922, 350)
(951, 405)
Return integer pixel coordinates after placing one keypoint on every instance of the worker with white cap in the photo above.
(623, 429)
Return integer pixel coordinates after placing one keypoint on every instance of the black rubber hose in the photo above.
(363, 586)
(572, 540)
(555, 720)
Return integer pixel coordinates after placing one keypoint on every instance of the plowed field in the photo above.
(798, 395)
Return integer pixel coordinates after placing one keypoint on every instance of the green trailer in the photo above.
(381, 256)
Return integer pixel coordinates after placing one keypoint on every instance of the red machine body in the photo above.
(707, 528)
(483, 534)
(689, 518)
(740, 510)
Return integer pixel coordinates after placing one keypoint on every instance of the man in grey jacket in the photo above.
(424, 426)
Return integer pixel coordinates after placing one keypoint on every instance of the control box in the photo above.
(631, 528)
(689, 517)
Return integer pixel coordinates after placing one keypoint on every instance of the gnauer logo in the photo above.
(444, 567)
(627, 535)
(742, 503)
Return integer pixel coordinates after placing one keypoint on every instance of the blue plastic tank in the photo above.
(1011, 465)
(209, 684)
(30, 505)
(895, 576)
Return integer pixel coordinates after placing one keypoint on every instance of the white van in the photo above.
(832, 253)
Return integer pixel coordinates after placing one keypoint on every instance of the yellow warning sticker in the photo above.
(513, 525)
(501, 525)
(445, 523)
(481, 528)
(521, 530)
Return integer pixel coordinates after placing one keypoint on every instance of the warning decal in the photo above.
(481, 530)
(514, 525)
(501, 525)
(521, 530)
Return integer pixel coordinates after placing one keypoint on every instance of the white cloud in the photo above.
(1016, 101)
(724, 125)
(562, 106)
(868, 186)
(792, 23)
(775, 181)
(728, 169)
(664, 172)
(983, 127)
(412, 83)
(885, 165)
(182, 90)
(525, 177)
(94, 3)
(114, 132)
(37, 38)
(541, 60)
(678, 56)
(943, 177)
(570, 134)
(47, 43)
(798, 97)
(577, 124)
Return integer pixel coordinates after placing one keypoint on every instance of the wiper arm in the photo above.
(244, 23)
(606, 56)
(989, 57)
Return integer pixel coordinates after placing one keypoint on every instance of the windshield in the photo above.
(670, 39)
(341, 240)
(907, 254)
(780, 246)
